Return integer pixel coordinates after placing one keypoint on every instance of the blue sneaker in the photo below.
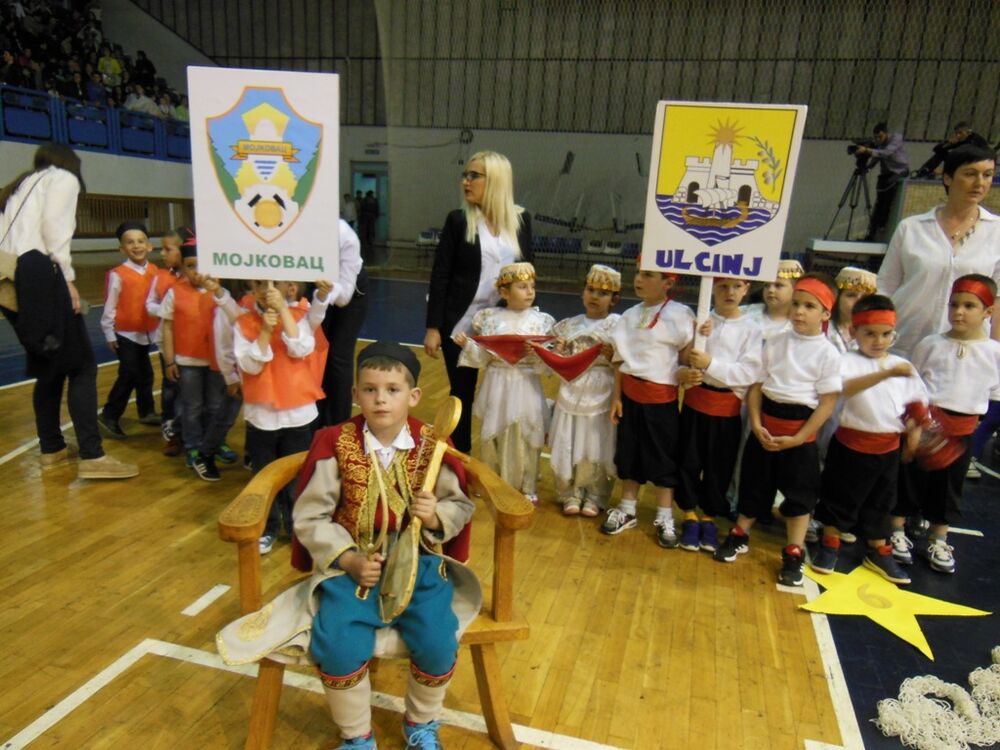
(359, 743)
(226, 455)
(690, 536)
(422, 736)
(709, 536)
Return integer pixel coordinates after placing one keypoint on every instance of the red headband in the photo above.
(817, 289)
(874, 318)
(978, 288)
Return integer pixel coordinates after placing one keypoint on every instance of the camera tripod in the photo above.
(856, 187)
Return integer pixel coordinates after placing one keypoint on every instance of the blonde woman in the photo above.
(477, 240)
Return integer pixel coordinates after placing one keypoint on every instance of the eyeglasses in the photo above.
(472, 176)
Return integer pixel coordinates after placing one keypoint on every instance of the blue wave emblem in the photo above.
(756, 217)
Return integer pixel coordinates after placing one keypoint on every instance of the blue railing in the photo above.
(35, 117)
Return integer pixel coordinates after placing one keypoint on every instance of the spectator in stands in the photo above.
(74, 88)
(143, 71)
(95, 91)
(37, 221)
(109, 67)
(181, 110)
(137, 101)
(890, 152)
(487, 233)
(928, 252)
(9, 72)
(166, 107)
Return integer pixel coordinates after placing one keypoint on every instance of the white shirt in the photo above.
(652, 353)
(153, 303)
(799, 369)
(402, 442)
(962, 376)
(222, 340)
(252, 360)
(495, 253)
(349, 267)
(736, 347)
(768, 326)
(920, 266)
(879, 408)
(47, 219)
(111, 307)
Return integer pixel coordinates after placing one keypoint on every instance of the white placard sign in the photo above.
(720, 184)
(265, 161)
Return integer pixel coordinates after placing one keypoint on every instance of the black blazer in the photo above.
(457, 264)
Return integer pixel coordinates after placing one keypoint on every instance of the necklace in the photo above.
(959, 236)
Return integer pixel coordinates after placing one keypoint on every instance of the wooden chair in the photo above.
(243, 522)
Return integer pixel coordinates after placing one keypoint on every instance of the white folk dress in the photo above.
(582, 436)
(510, 402)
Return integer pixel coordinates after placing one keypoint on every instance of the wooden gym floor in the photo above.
(632, 646)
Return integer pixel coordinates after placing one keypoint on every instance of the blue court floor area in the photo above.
(874, 662)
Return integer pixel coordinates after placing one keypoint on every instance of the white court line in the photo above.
(840, 696)
(202, 602)
(967, 532)
(460, 719)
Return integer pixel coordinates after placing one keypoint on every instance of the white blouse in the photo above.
(920, 266)
(47, 219)
(496, 252)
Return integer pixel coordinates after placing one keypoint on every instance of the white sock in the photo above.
(627, 506)
(666, 515)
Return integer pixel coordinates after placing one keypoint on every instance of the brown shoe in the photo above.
(106, 467)
(54, 460)
(174, 447)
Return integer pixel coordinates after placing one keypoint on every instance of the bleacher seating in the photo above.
(35, 117)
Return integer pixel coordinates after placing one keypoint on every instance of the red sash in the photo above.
(954, 425)
(508, 346)
(715, 403)
(783, 427)
(646, 391)
(873, 443)
(571, 367)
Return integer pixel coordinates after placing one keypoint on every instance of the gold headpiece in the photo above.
(857, 279)
(790, 269)
(515, 272)
(604, 277)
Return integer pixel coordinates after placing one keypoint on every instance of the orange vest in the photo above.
(165, 280)
(285, 382)
(193, 312)
(130, 312)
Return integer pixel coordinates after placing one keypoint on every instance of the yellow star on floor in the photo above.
(864, 592)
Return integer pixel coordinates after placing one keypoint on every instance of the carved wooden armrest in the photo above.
(510, 509)
(244, 518)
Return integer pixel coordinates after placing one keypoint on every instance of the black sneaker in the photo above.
(825, 559)
(886, 566)
(735, 544)
(204, 467)
(791, 568)
(110, 426)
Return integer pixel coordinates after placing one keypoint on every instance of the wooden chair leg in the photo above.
(491, 697)
(264, 711)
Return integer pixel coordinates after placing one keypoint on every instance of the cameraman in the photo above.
(961, 135)
(888, 150)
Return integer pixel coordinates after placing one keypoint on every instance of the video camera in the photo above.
(862, 161)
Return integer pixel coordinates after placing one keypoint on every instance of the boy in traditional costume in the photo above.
(335, 616)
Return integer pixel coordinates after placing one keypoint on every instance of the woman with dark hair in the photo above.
(487, 233)
(930, 251)
(37, 221)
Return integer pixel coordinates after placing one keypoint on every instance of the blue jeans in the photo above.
(202, 393)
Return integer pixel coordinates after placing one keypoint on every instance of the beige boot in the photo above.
(424, 698)
(351, 707)
(105, 467)
(55, 460)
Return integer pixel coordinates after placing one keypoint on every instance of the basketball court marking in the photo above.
(154, 647)
(200, 604)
